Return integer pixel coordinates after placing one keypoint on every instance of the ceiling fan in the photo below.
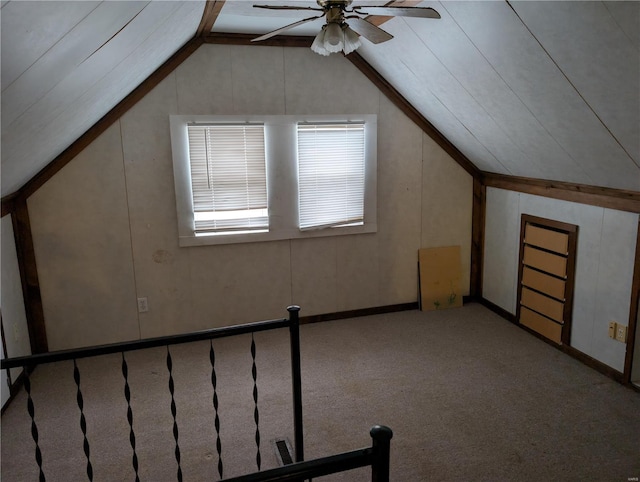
(345, 25)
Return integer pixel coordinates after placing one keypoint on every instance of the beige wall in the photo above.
(105, 229)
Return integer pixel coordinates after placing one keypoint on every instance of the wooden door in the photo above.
(546, 277)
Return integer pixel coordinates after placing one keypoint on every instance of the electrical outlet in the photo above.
(612, 329)
(143, 305)
(621, 333)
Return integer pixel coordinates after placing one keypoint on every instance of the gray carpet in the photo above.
(468, 396)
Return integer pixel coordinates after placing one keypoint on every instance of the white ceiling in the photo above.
(549, 90)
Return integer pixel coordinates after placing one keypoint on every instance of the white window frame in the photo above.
(282, 177)
(220, 207)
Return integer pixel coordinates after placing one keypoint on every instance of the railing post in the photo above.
(381, 436)
(296, 380)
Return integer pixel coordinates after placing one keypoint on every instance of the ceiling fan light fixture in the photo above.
(318, 44)
(333, 38)
(351, 40)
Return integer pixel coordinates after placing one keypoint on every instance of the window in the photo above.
(330, 175)
(244, 179)
(228, 178)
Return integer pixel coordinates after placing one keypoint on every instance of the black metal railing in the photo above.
(376, 456)
(30, 362)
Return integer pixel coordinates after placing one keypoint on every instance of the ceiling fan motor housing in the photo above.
(335, 15)
(342, 4)
(334, 10)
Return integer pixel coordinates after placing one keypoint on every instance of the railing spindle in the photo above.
(173, 412)
(34, 427)
(132, 435)
(83, 421)
(212, 359)
(256, 415)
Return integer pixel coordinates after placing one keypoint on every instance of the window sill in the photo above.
(279, 235)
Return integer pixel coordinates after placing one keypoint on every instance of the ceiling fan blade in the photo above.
(284, 7)
(369, 31)
(423, 12)
(287, 27)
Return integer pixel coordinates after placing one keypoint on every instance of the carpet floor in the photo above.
(468, 396)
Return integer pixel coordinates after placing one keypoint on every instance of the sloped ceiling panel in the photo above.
(516, 137)
(63, 57)
(464, 93)
(85, 71)
(397, 65)
(484, 76)
(597, 57)
(39, 25)
(627, 16)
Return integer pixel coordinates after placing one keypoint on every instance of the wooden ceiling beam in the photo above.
(211, 11)
(8, 204)
(605, 197)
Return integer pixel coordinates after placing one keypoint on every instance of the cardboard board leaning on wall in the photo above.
(440, 271)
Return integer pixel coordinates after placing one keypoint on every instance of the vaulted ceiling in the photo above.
(547, 90)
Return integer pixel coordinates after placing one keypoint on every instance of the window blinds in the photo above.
(330, 175)
(228, 177)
